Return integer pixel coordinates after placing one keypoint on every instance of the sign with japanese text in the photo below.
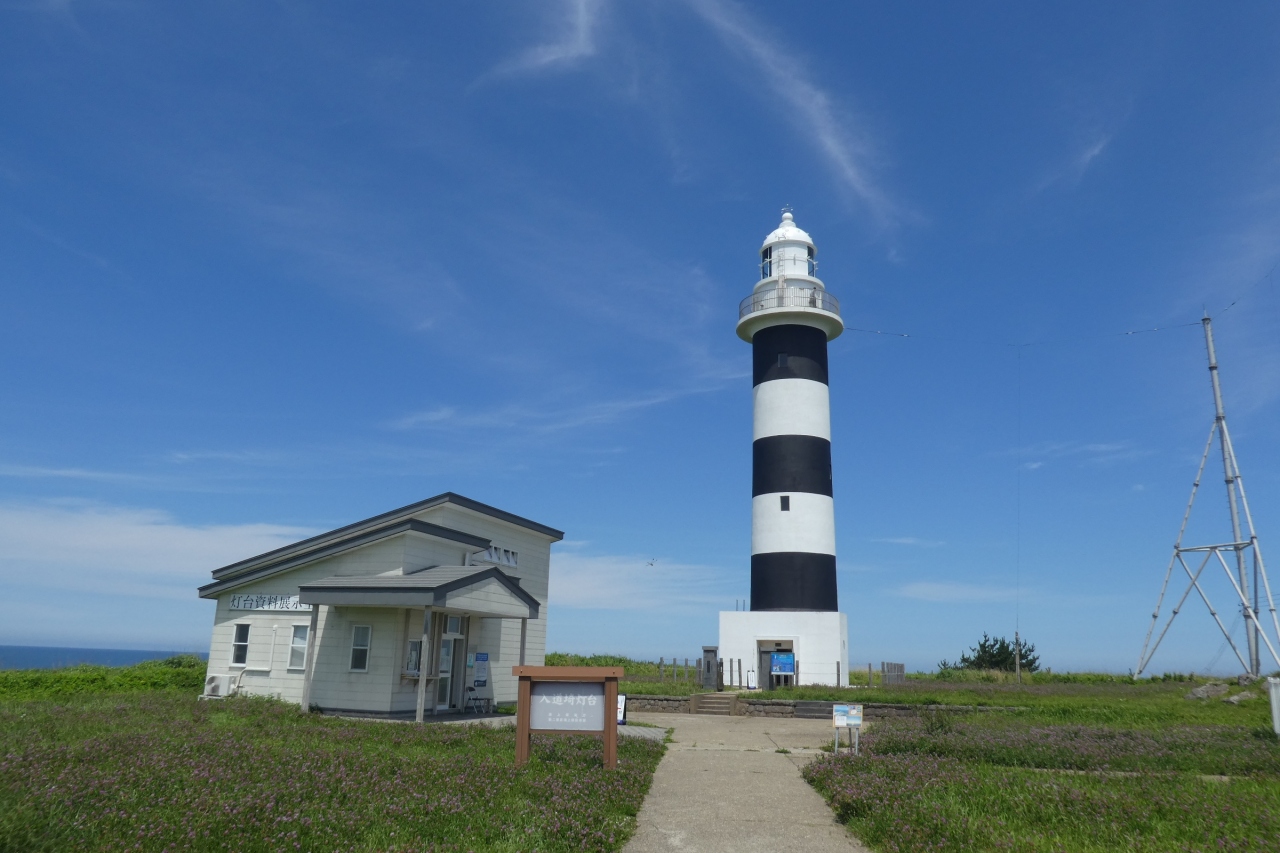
(273, 603)
(782, 663)
(576, 706)
(480, 674)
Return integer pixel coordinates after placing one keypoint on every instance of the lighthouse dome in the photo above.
(787, 231)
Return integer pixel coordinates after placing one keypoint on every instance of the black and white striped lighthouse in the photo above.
(788, 319)
(794, 632)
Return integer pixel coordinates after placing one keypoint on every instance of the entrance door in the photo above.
(452, 649)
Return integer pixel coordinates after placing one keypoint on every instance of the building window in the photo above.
(413, 658)
(786, 503)
(298, 647)
(454, 625)
(240, 645)
(360, 647)
(766, 262)
(503, 556)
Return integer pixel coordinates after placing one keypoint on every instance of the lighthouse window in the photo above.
(766, 262)
(782, 359)
(786, 503)
(812, 266)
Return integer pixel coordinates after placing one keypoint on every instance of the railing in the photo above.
(789, 297)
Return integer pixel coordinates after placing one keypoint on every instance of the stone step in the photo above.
(719, 704)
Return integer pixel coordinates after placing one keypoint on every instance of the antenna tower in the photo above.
(1248, 576)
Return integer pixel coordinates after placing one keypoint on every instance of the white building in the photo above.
(788, 320)
(340, 621)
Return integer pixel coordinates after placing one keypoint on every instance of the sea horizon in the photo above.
(57, 657)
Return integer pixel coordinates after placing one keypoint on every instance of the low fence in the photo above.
(748, 706)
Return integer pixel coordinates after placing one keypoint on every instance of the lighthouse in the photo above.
(793, 632)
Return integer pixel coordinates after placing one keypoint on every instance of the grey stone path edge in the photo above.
(724, 786)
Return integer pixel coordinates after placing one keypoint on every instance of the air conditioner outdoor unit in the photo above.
(219, 686)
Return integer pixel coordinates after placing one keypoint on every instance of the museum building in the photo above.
(421, 610)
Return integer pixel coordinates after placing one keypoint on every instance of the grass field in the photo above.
(1086, 766)
(121, 765)
(642, 677)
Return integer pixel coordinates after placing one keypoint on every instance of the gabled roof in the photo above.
(426, 587)
(363, 533)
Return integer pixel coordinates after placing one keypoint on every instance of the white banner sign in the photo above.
(277, 603)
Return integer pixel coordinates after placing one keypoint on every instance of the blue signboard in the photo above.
(783, 663)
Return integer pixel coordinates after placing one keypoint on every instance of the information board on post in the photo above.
(562, 700)
(480, 673)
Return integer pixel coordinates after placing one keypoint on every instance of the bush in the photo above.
(181, 672)
(996, 653)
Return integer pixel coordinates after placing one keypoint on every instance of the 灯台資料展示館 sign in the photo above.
(267, 601)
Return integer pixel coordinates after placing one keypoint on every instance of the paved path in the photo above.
(722, 786)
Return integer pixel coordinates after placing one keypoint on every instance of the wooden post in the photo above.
(524, 695)
(838, 684)
(309, 673)
(610, 723)
(423, 656)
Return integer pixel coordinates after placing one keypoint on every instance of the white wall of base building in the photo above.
(820, 641)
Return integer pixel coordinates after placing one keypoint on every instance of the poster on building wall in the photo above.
(782, 663)
(269, 603)
(480, 674)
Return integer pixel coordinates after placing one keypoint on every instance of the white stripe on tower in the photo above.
(792, 407)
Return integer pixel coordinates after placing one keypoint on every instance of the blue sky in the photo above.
(266, 269)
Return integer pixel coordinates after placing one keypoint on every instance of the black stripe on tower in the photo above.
(789, 352)
(791, 580)
(791, 463)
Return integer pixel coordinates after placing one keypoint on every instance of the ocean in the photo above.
(52, 657)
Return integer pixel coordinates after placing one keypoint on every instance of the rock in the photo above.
(1208, 691)
(1241, 697)
(1246, 679)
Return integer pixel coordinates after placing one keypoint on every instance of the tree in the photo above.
(995, 653)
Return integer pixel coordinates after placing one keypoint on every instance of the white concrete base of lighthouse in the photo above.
(819, 639)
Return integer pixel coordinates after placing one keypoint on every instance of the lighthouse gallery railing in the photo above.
(789, 297)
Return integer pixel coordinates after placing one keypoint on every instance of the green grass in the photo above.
(1120, 703)
(1090, 766)
(641, 678)
(917, 804)
(182, 673)
(160, 770)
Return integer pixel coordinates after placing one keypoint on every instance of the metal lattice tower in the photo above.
(1246, 551)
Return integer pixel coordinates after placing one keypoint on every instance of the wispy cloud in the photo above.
(1092, 453)
(941, 592)
(847, 153)
(611, 582)
(43, 473)
(574, 40)
(549, 418)
(123, 550)
(911, 540)
(1072, 171)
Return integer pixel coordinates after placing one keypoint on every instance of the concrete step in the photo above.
(720, 704)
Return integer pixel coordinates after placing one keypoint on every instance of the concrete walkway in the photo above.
(722, 786)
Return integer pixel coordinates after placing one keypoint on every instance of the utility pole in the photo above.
(1017, 656)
